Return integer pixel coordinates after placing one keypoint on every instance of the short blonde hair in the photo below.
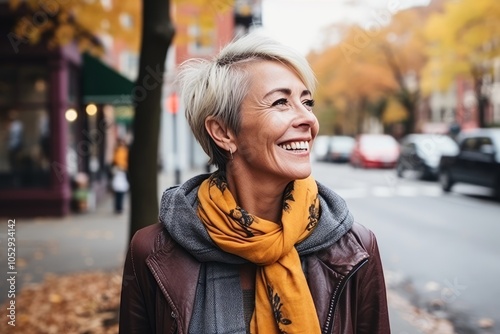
(218, 86)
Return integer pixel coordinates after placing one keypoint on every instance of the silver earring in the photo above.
(231, 153)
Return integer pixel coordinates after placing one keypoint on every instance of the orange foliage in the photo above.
(82, 21)
(369, 64)
(461, 41)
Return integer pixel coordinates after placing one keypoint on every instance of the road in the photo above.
(440, 250)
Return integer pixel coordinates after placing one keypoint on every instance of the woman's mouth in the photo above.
(295, 146)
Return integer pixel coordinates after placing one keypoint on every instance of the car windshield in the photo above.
(378, 142)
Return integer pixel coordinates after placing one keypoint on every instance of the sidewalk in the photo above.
(97, 241)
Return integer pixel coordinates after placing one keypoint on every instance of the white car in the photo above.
(320, 148)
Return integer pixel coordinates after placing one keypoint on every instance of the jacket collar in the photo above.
(176, 273)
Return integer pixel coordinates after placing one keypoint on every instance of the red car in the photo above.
(375, 151)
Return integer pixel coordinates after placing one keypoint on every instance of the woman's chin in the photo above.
(299, 173)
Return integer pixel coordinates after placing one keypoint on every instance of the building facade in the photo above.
(54, 125)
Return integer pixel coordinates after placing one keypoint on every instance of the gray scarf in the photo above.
(219, 299)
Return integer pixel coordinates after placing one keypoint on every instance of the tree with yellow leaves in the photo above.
(462, 42)
(348, 83)
(59, 22)
(375, 62)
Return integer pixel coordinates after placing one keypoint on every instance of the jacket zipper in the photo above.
(173, 314)
(328, 329)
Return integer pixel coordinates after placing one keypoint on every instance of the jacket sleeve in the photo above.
(133, 311)
(373, 314)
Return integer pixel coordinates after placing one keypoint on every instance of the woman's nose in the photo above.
(305, 116)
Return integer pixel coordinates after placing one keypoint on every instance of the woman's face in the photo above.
(277, 125)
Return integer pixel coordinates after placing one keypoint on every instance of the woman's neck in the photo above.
(258, 197)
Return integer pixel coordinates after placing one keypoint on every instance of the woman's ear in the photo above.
(221, 135)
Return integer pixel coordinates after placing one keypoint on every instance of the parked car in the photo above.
(320, 148)
(421, 153)
(340, 148)
(477, 162)
(375, 151)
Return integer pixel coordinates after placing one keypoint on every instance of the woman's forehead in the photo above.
(273, 76)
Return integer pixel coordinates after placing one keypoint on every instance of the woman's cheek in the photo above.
(315, 128)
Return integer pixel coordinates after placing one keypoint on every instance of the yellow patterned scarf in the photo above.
(283, 302)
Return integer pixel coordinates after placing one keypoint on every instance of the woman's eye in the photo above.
(309, 103)
(280, 102)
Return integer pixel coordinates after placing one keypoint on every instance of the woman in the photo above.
(258, 246)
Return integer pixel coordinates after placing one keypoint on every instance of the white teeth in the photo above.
(299, 145)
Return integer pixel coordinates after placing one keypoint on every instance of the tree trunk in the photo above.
(404, 95)
(361, 108)
(409, 101)
(482, 102)
(157, 35)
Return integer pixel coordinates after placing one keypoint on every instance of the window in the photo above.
(475, 144)
(470, 145)
(485, 141)
(24, 126)
(202, 40)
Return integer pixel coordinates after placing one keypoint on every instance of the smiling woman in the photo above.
(258, 246)
(276, 125)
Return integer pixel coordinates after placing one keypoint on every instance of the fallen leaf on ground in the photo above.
(81, 303)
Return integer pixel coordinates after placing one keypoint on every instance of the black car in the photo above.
(420, 154)
(478, 161)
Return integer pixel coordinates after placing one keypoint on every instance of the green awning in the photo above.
(103, 85)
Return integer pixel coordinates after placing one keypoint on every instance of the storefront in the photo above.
(56, 124)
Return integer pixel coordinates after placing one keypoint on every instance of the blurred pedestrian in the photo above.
(257, 246)
(119, 182)
(15, 144)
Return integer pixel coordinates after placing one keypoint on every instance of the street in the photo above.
(440, 250)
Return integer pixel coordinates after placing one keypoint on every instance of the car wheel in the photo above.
(423, 173)
(446, 181)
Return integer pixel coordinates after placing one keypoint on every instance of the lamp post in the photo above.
(173, 106)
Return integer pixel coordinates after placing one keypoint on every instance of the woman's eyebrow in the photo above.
(286, 91)
(306, 92)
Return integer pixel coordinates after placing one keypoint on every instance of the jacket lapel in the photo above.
(328, 271)
(176, 273)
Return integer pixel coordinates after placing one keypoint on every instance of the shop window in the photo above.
(24, 127)
(7, 77)
(24, 148)
(32, 83)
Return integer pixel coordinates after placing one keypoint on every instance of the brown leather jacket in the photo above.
(346, 282)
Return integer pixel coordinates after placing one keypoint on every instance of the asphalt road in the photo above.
(440, 250)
